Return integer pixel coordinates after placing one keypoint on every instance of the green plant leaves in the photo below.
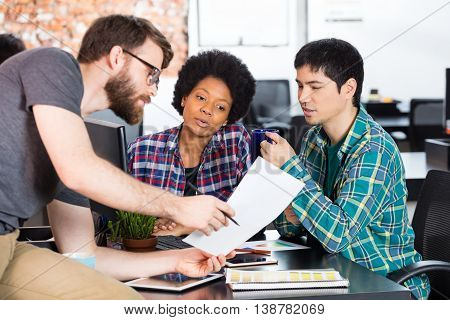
(132, 225)
(114, 229)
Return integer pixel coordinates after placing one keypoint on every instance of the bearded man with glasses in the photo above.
(45, 93)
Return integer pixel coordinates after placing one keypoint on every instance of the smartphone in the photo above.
(250, 259)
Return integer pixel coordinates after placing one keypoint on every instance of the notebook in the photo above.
(288, 279)
(287, 293)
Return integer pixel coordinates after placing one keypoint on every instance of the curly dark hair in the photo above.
(221, 65)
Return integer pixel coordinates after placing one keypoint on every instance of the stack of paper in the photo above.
(289, 279)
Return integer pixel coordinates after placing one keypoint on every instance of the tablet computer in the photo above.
(171, 282)
(248, 259)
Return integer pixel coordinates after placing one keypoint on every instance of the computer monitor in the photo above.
(132, 131)
(109, 142)
(447, 102)
(272, 101)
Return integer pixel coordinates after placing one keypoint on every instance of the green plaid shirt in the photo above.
(368, 221)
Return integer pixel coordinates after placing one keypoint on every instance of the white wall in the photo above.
(159, 115)
(401, 66)
(410, 66)
(267, 55)
(272, 32)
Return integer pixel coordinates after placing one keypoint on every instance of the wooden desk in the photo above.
(364, 284)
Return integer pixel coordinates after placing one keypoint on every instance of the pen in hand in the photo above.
(201, 193)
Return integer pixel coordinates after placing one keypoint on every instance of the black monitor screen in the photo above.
(109, 142)
(132, 131)
(447, 101)
(272, 101)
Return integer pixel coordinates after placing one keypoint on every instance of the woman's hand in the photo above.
(196, 263)
(163, 224)
(172, 230)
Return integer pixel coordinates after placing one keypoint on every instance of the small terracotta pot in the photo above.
(144, 245)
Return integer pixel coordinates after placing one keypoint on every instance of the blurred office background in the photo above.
(405, 45)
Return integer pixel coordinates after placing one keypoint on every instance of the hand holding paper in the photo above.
(261, 196)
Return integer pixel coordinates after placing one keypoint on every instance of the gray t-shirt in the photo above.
(28, 180)
(69, 196)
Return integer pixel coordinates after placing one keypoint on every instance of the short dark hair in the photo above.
(129, 32)
(337, 59)
(9, 46)
(221, 65)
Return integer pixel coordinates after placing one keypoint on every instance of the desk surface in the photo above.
(415, 165)
(392, 122)
(364, 284)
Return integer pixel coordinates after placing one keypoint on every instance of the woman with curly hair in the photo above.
(208, 151)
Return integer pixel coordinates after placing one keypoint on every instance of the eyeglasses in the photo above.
(153, 75)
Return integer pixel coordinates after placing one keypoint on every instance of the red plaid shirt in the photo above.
(156, 159)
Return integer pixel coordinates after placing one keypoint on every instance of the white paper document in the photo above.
(264, 192)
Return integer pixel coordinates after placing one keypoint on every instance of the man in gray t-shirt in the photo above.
(28, 179)
(43, 94)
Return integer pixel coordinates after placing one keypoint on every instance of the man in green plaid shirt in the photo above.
(354, 199)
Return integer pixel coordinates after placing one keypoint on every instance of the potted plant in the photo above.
(113, 239)
(136, 231)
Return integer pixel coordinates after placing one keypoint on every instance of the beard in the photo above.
(123, 98)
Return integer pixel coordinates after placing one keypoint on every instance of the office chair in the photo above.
(426, 122)
(251, 122)
(299, 126)
(270, 107)
(431, 224)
